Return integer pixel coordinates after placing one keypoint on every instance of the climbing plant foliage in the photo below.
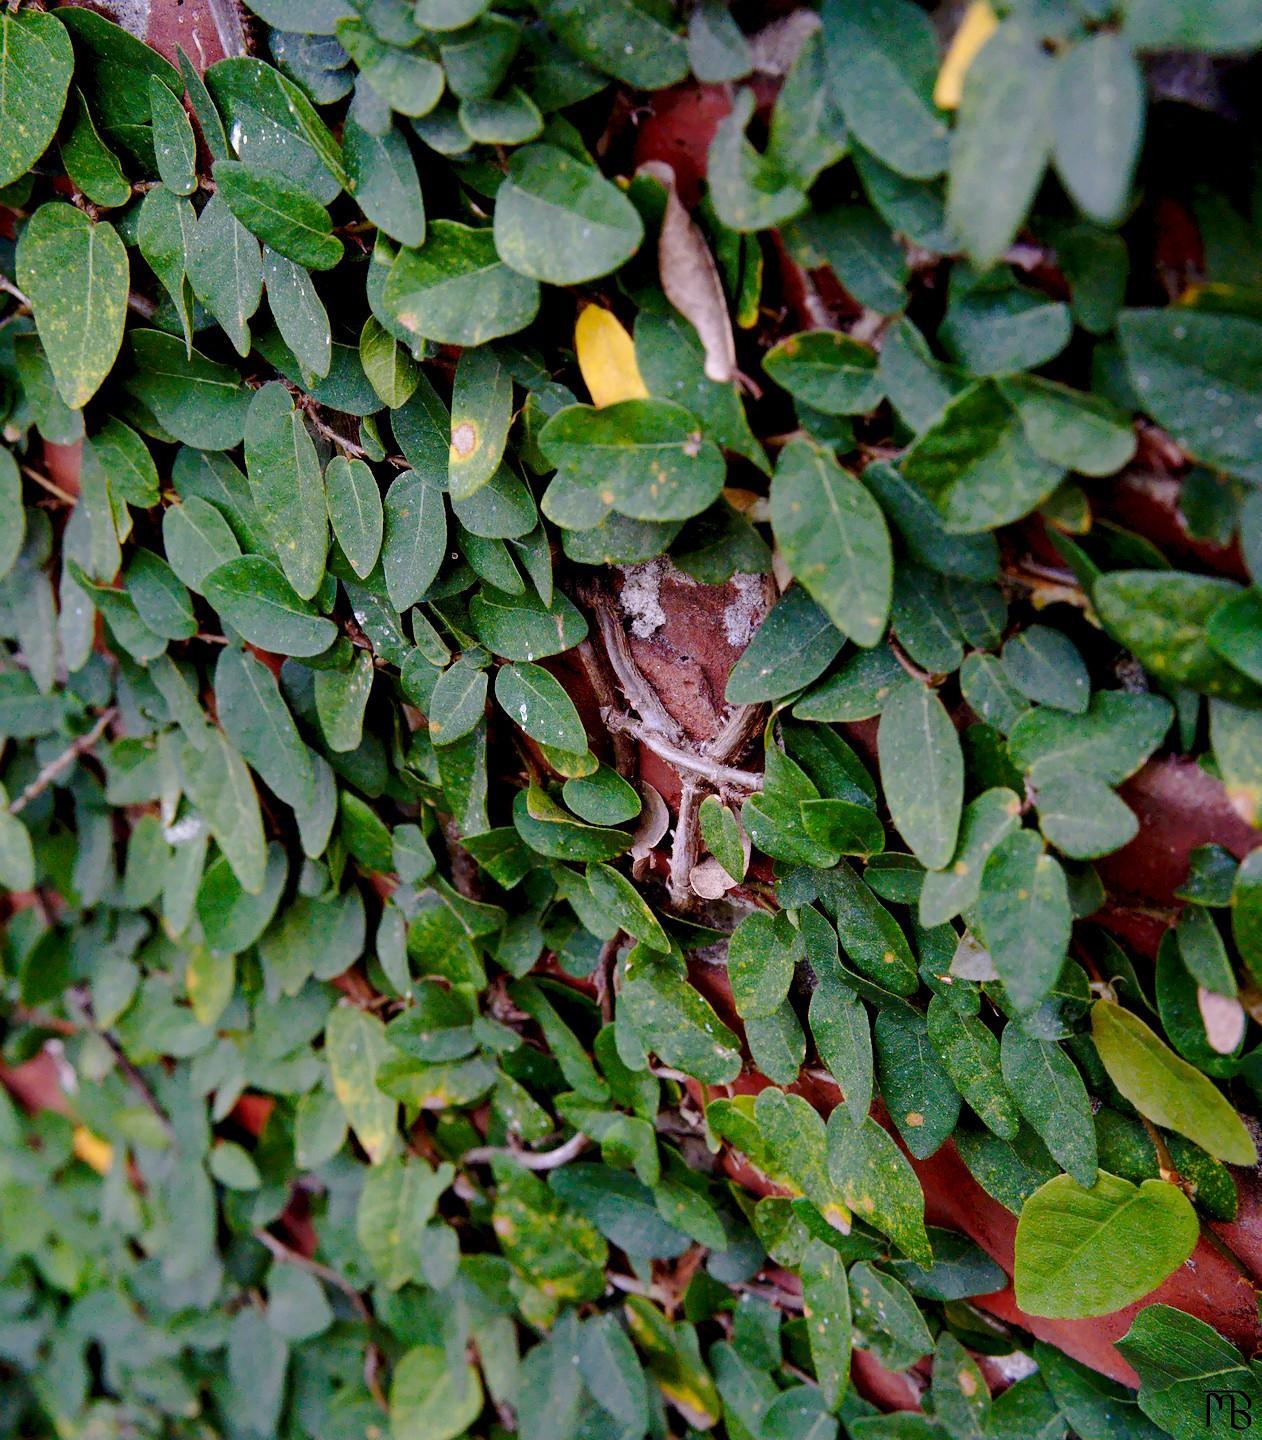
(412, 1023)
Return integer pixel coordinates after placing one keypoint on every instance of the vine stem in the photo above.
(675, 755)
(544, 1160)
(288, 1256)
(62, 762)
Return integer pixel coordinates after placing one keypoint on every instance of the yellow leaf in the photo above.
(92, 1150)
(606, 356)
(975, 29)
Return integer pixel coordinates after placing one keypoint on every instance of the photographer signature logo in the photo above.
(1229, 1409)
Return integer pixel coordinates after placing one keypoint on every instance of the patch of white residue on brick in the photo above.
(641, 596)
(741, 616)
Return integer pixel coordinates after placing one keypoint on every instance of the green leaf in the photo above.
(622, 903)
(750, 191)
(922, 770)
(458, 702)
(456, 291)
(218, 783)
(986, 821)
(1044, 665)
(558, 219)
(523, 627)
(195, 400)
(961, 1400)
(1109, 743)
(721, 832)
(646, 458)
(834, 537)
(827, 370)
(14, 533)
(387, 363)
(1188, 1373)
(481, 413)
(1162, 617)
(1166, 1089)
(415, 537)
(382, 178)
(970, 1055)
(355, 512)
(976, 465)
(225, 270)
(887, 1318)
(430, 1397)
(1070, 1242)
(1001, 142)
(260, 725)
(1236, 734)
(611, 1371)
(675, 1021)
(878, 1183)
(1024, 914)
(256, 600)
(843, 1037)
(870, 936)
(1197, 374)
(36, 62)
(405, 79)
(922, 1101)
(760, 965)
(826, 1309)
(535, 700)
(882, 59)
(76, 275)
(281, 213)
(1051, 1096)
(160, 599)
(1066, 427)
(547, 829)
(90, 162)
(276, 126)
(287, 486)
(1083, 818)
(794, 645)
(620, 39)
(173, 143)
(1234, 632)
(1246, 911)
(300, 316)
(341, 697)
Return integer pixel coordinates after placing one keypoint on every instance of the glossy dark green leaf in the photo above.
(455, 289)
(415, 537)
(1051, 1096)
(794, 645)
(922, 769)
(834, 537)
(922, 1101)
(281, 213)
(255, 598)
(287, 486)
(1024, 915)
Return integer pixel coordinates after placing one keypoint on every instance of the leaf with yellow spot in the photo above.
(355, 1044)
(794, 1136)
(878, 1183)
(826, 1305)
(606, 357)
(92, 1150)
(977, 26)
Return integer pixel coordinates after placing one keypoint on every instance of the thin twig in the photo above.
(682, 759)
(544, 1160)
(63, 495)
(1166, 1167)
(683, 850)
(10, 288)
(284, 1253)
(63, 762)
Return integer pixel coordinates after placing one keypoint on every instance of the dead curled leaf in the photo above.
(653, 824)
(690, 279)
(1224, 1019)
